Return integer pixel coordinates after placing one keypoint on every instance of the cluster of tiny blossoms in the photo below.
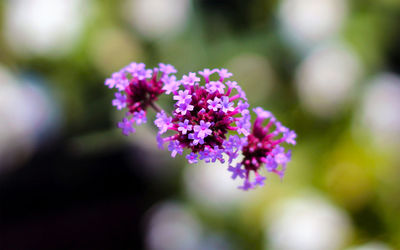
(137, 89)
(210, 119)
(203, 116)
(262, 148)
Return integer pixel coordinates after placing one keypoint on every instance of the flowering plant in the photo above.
(204, 114)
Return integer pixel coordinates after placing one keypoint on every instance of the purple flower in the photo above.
(127, 126)
(117, 80)
(232, 147)
(243, 108)
(162, 122)
(196, 139)
(216, 154)
(183, 107)
(280, 128)
(139, 117)
(110, 82)
(235, 141)
(205, 155)
(224, 73)
(182, 96)
(242, 94)
(270, 163)
(202, 130)
(226, 105)
(280, 156)
(290, 137)
(184, 127)
(213, 111)
(171, 85)
(232, 84)
(215, 86)
(140, 88)
(122, 84)
(263, 147)
(191, 79)
(246, 185)
(214, 104)
(175, 148)
(259, 180)
(167, 68)
(206, 73)
(203, 117)
(192, 157)
(160, 141)
(139, 71)
(244, 125)
(237, 171)
(119, 101)
(261, 113)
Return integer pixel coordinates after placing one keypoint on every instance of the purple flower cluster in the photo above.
(138, 88)
(210, 120)
(204, 114)
(263, 148)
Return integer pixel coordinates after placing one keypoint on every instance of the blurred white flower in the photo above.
(172, 226)
(307, 223)
(254, 73)
(371, 246)
(211, 186)
(26, 118)
(306, 22)
(50, 27)
(113, 49)
(327, 78)
(380, 110)
(157, 18)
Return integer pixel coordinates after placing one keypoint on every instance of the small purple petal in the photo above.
(170, 84)
(237, 171)
(192, 158)
(246, 185)
(290, 137)
(139, 117)
(167, 68)
(162, 122)
(261, 113)
(127, 126)
(191, 79)
(119, 101)
(175, 148)
(224, 73)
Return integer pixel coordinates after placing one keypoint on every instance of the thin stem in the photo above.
(234, 97)
(155, 107)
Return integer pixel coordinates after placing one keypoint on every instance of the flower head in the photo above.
(205, 113)
(138, 88)
(263, 148)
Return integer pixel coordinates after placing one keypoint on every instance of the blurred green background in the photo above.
(329, 69)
